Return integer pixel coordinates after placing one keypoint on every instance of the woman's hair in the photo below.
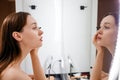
(115, 15)
(9, 47)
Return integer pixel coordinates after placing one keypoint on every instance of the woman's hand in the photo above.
(98, 46)
(32, 77)
(34, 51)
(37, 68)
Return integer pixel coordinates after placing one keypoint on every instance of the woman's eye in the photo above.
(98, 28)
(39, 27)
(35, 27)
(106, 27)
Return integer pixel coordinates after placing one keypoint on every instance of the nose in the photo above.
(100, 31)
(40, 32)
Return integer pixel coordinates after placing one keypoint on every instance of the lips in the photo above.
(41, 39)
(99, 38)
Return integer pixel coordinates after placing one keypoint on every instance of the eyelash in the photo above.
(104, 27)
(98, 28)
(39, 27)
(36, 27)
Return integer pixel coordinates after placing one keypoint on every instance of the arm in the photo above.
(97, 68)
(37, 69)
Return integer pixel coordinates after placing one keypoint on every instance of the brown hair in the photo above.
(9, 47)
(115, 15)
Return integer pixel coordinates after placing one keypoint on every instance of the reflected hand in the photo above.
(95, 39)
(32, 77)
(98, 46)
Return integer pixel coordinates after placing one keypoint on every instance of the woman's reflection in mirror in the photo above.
(105, 43)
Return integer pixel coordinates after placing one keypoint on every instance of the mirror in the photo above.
(62, 21)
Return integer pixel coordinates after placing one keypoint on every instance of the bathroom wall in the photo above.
(68, 32)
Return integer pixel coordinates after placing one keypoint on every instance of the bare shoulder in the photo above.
(15, 74)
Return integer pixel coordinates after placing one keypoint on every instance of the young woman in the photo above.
(105, 42)
(19, 36)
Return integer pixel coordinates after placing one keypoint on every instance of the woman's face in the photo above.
(31, 34)
(107, 34)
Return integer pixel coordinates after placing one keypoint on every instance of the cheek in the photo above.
(29, 36)
(31, 41)
(113, 37)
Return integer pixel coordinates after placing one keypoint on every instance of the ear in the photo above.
(17, 36)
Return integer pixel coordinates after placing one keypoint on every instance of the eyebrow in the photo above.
(34, 23)
(106, 23)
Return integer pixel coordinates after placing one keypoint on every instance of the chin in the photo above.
(39, 45)
(99, 43)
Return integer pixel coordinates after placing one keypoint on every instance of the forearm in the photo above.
(37, 68)
(97, 68)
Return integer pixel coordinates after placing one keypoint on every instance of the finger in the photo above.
(31, 76)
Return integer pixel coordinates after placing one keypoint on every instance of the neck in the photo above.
(112, 50)
(24, 53)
